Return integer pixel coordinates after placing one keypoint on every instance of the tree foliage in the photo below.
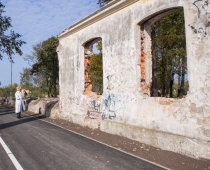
(45, 65)
(26, 79)
(9, 43)
(5, 91)
(103, 2)
(168, 55)
(34, 83)
(95, 70)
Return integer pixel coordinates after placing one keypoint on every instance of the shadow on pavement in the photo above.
(24, 119)
(1, 114)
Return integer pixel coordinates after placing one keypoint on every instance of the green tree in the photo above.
(47, 64)
(168, 54)
(26, 79)
(5, 91)
(95, 70)
(34, 83)
(9, 43)
(95, 73)
(37, 74)
(33, 57)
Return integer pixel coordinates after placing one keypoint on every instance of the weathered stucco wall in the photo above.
(181, 125)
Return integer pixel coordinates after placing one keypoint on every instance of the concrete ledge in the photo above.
(171, 142)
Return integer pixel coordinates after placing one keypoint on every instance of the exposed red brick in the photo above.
(142, 65)
(87, 85)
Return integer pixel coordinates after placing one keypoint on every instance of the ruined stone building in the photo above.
(125, 107)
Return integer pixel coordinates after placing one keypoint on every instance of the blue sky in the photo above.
(36, 21)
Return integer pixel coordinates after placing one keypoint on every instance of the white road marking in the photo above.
(11, 156)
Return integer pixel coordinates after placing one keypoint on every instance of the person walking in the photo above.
(19, 104)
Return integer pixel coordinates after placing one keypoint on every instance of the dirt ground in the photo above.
(165, 158)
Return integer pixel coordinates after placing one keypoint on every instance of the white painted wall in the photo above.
(187, 119)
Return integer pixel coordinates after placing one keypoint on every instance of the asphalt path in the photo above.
(38, 145)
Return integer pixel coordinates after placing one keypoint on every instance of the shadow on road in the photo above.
(1, 114)
(24, 119)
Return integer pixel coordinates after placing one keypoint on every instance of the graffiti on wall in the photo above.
(102, 109)
(108, 107)
(73, 100)
(203, 11)
(201, 32)
(94, 110)
(115, 105)
(108, 81)
(202, 7)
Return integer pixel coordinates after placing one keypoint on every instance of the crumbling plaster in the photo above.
(123, 100)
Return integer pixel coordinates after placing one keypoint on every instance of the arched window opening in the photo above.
(93, 67)
(168, 58)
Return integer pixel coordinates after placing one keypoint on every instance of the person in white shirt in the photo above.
(19, 104)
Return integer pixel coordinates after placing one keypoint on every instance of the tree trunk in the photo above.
(181, 90)
(179, 76)
(163, 93)
(154, 89)
(48, 87)
(154, 77)
(171, 85)
(54, 87)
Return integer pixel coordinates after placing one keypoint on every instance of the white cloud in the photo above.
(38, 20)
